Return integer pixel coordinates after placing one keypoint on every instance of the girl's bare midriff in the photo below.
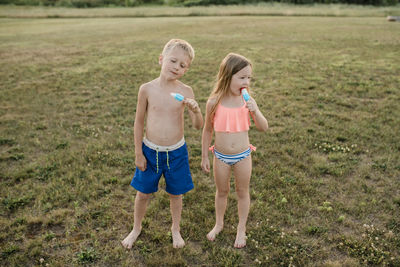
(231, 143)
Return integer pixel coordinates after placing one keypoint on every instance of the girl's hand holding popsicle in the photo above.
(250, 102)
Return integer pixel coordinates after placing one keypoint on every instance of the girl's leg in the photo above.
(222, 175)
(175, 203)
(141, 202)
(242, 173)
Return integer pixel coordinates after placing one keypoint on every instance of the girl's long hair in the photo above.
(230, 65)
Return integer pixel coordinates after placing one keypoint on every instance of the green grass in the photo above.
(325, 183)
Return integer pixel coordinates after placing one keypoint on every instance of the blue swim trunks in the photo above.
(173, 164)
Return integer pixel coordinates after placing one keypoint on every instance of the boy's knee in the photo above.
(175, 196)
(142, 196)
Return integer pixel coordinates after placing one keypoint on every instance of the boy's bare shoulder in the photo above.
(145, 90)
(147, 86)
(186, 89)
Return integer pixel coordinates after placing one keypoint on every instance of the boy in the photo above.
(163, 150)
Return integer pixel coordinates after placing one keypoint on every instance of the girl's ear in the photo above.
(160, 59)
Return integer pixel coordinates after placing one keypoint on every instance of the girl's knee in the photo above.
(222, 192)
(242, 192)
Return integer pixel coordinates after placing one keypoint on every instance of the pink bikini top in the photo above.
(231, 120)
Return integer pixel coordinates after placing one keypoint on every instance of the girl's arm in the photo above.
(259, 120)
(138, 128)
(207, 136)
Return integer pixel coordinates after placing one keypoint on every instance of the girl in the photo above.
(228, 115)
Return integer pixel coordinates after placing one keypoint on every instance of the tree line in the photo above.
(186, 3)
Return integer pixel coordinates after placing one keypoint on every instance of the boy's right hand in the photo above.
(205, 165)
(141, 162)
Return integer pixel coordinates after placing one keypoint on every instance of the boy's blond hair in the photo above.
(181, 44)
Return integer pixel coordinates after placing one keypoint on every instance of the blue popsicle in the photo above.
(178, 96)
(245, 94)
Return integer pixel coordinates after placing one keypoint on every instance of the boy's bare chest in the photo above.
(164, 106)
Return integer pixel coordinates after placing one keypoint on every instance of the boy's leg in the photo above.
(242, 173)
(141, 202)
(176, 211)
(222, 175)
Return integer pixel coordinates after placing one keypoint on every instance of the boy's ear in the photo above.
(160, 58)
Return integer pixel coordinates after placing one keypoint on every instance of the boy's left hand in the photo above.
(192, 105)
(252, 105)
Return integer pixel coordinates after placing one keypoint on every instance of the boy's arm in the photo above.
(195, 114)
(138, 128)
(207, 137)
(194, 110)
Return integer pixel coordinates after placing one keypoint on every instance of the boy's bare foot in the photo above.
(177, 240)
(214, 232)
(131, 238)
(240, 241)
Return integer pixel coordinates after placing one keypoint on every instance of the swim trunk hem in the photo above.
(184, 191)
(141, 190)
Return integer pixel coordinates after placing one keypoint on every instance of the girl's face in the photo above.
(241, 79)
(174, 63)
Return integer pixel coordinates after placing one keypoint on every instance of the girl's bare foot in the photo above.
(131, 238)
(177, 240)
(214, 232)
(240, 241)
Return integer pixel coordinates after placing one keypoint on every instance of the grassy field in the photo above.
(325, 188)
(262, 9)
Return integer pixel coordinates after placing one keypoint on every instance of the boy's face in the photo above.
(241, 79)
(174, 63)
